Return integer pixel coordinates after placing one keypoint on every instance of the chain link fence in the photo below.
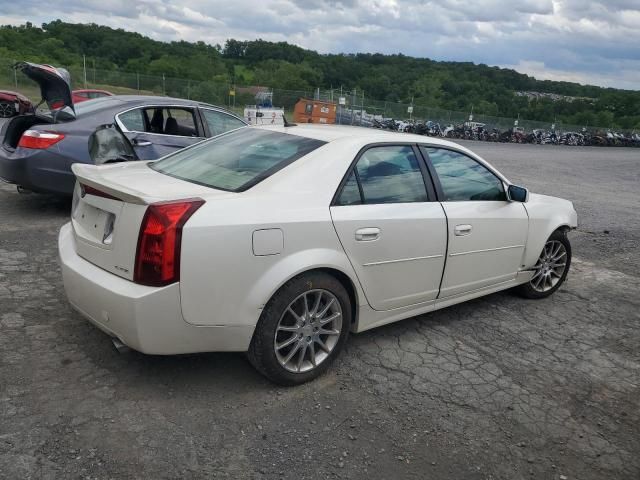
(354, 108)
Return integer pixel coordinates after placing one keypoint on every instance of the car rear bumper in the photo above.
(37, 170)
(146, 319)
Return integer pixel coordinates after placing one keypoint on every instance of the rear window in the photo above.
(238, 160)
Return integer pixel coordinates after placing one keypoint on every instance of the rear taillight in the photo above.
(39, 140)
(158, 253)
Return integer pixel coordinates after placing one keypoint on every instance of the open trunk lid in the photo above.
(109, 203)
(55, 87)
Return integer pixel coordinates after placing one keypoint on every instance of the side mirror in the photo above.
(517, 194)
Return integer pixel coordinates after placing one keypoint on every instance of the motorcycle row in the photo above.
(480, 131)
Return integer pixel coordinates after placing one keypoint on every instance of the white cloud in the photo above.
(590, 41)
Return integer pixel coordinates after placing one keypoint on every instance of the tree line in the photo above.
(393, 78)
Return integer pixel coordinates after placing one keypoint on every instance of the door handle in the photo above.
(141, 143)
(462, 230)
(367, 234)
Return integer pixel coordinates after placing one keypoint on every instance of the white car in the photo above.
(279, 241)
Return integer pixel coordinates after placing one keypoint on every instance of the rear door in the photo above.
(156, 131)
(487, 233)
(391, 227)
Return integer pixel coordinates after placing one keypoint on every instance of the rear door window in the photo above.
(175, 121)
(132, 120)
(385, 174)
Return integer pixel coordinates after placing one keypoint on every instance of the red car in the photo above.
(84, 95)
(13, 103)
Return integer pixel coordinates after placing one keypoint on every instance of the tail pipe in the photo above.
(120, 347)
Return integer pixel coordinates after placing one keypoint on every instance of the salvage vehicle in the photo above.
(14, 103)
(280, 241)
(38, 148)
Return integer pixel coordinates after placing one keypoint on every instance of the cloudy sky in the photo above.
(587, 41)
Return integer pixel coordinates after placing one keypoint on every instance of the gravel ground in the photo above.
(499, 387)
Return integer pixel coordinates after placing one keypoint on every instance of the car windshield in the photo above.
(238, 160)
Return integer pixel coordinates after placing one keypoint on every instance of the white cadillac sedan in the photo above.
(280, 241)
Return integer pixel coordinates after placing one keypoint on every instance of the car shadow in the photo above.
(225, 374)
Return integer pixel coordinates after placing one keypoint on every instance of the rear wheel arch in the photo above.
(350, 287)
(346, 281)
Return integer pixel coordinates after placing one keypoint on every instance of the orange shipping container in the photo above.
(314, 111)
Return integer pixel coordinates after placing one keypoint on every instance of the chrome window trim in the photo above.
(194, 108)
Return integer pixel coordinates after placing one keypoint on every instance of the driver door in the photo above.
(487, 234)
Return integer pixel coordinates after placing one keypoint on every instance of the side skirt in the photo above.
(369, 318)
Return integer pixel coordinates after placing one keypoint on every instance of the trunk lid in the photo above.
(109, 203)
(55, 87)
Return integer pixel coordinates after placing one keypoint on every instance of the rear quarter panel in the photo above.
(222, 281)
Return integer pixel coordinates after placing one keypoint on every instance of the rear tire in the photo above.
(7, 109)
(302, 329)
(551, 269)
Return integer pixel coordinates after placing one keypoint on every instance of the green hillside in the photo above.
(393, 78)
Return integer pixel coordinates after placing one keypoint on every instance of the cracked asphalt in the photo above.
(499, 387)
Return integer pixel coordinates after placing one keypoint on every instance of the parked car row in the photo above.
(482, 132)
(277, 241)
(38, 148)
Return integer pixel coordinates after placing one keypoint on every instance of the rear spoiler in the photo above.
(91, 175)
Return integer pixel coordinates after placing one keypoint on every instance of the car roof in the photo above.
(157, 100)
(330, 133)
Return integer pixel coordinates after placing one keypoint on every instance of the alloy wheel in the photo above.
(6, 110)
(550, 266)
(308, 330)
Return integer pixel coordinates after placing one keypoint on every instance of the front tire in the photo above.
(302, 329)
(551, 269)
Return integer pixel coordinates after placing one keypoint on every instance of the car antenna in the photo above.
(287, 124)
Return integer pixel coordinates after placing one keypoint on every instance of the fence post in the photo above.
(138, 81)
(164, 90)
(84, 69)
